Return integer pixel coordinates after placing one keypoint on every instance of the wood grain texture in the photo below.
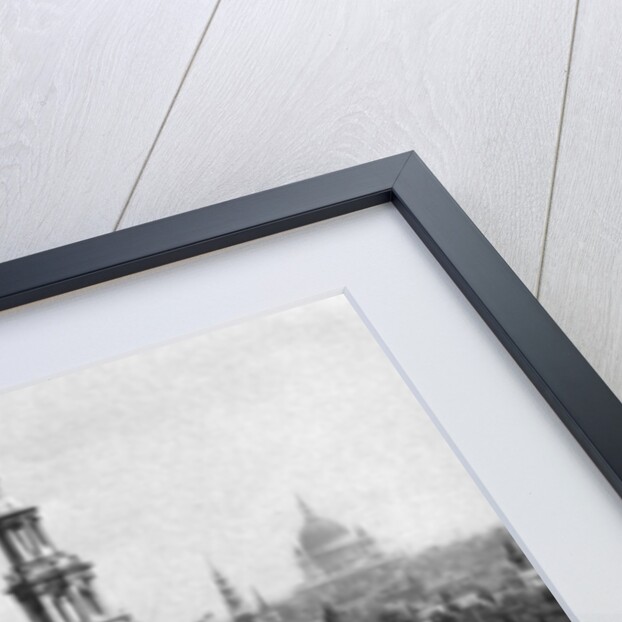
(282, 91)
(582, 275)
(84, 87)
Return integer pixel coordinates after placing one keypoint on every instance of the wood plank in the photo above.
(282, 91)
(84, 87)
(582, 276)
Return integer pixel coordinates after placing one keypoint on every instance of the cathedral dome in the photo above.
(320, 533)
(326, 548)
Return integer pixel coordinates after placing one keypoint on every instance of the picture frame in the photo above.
(575, 392)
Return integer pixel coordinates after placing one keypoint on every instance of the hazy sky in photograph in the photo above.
(156, 464)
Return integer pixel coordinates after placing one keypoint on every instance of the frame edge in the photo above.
(153, 244)
(569, 384)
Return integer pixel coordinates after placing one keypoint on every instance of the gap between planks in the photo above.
(547, 217)
(167, 115)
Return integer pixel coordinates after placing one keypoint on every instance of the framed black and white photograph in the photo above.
(328, 401)
(276, 469)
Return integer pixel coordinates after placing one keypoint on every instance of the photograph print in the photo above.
(276, 470)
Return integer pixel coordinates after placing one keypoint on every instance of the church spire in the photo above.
(229, 594)
(262, 605)
(265, 612)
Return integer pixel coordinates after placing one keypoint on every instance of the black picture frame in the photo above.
(572, 388)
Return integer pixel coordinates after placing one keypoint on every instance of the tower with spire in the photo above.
(265, 612)
(49, 585)
(237, 608)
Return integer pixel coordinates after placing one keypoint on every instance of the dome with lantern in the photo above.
(317, 532)
(326, 547)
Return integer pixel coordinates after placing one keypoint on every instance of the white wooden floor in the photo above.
(112, 114)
